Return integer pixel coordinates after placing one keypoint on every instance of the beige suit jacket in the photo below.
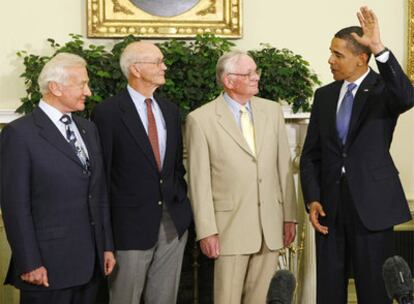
(234, 193)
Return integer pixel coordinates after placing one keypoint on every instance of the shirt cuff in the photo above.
(383, 56)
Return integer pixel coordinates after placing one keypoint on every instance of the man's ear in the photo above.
(54, 88)
(134, 70)
(362, 59)
(228, 82)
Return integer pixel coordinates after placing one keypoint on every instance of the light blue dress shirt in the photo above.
(140, 105)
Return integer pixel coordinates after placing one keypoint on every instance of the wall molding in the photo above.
(8, 115)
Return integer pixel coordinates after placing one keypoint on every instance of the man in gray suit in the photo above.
(53, 193)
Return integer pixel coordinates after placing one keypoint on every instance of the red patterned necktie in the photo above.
(152, 132)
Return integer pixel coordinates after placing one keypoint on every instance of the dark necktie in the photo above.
(343, 116)
(71, 137)
(152, 132)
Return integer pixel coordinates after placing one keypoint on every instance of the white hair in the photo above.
(56, 69)
(226, 64)
(128, 57)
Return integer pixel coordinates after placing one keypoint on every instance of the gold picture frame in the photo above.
(164, 18)
(410, 42)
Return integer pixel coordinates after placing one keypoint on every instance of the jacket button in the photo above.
(159, 203)
(92, 223)
(90, 196)
(161, 181)
(344, 155)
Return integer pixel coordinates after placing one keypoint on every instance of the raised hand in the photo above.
(370, 27)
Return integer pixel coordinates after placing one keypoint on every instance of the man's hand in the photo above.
(316, 210)
(289, 233)
(36, 277)
(370, 27)
(109, 262)
(210, 246)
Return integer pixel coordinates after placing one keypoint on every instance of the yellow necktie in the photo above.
(247, 128)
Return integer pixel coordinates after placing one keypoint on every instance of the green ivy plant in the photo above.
(285, 77)
(190, 77)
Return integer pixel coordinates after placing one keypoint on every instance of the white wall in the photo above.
(305, 27)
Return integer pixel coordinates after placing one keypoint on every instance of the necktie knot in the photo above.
(351, 87)
(148, 102)
(65, 119)
(243, 110)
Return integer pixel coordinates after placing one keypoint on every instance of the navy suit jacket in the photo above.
(138, 191)
(371, 174)
(55, 212)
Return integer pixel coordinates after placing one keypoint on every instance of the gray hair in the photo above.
(128, 57)
(56, 69)
(226, 63)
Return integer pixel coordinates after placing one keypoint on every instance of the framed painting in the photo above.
(164, 18)
(410, 41)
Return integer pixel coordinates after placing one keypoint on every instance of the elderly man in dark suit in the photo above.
(53, 193)
(350, 183)
(142, 146)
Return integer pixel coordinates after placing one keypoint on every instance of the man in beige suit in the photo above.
(241, 183)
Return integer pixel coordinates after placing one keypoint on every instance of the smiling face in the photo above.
(71, 95)
(344, 63)
(242, 81)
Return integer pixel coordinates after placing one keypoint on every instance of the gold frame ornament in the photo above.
(119, 18)
(410, 41)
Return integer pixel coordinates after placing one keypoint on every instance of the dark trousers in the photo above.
(350, 245)
(84, 294)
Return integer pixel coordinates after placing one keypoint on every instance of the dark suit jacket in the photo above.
(56, 214)
(371, 174)
(136, 185)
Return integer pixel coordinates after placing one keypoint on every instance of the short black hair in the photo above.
(353, 45)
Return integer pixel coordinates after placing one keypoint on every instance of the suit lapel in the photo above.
(259, 122)
(52, 135)
(228, 123)
(360, 104)
(134, 125)
(331, 109)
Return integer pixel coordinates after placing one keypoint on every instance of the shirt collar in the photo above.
(137, 97)
(358, 81)
(234, 105)
(54, 114)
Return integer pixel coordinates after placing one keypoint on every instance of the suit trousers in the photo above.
(350, 246)
(83, 294)
(244, 278)
(152, 274)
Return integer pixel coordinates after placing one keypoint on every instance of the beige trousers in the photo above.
(244, 278)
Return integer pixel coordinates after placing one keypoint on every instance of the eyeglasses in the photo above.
(250, 75)
(158, 63)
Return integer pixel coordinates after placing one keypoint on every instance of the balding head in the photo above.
(138, 51)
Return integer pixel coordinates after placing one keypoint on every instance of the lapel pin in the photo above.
(83, 131)
(366, 90)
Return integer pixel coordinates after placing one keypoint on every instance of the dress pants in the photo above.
(244, 278)
(350, 245)
(83, 294)
(153, 274)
